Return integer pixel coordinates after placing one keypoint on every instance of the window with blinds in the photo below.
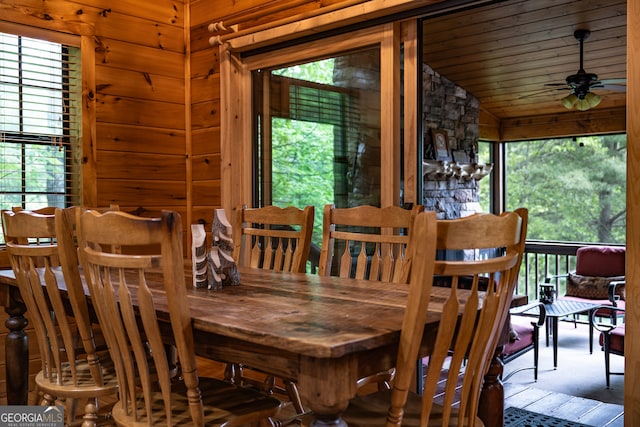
(40, 100)
(317, 133)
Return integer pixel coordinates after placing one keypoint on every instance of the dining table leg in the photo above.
(491, 407)
(16, 349)
(327, 385)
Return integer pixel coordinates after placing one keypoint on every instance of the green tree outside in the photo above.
(575, 189)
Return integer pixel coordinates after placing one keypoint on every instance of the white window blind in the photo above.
(40, 105)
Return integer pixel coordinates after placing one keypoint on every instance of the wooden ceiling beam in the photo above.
(574, 123)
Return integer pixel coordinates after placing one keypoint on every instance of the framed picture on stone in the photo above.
(460, 156)
(440, 145)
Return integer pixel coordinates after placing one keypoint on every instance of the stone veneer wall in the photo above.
(450, 108)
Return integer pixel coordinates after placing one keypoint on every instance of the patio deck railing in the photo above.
(541, 259)
(544, 259)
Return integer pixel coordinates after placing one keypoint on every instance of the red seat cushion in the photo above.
(524, 330)
(603, 261)
(617, 339)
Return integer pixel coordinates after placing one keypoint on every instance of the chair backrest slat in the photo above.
(369, 242)
(273, 238)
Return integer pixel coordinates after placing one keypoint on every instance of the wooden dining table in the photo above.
(321, 332)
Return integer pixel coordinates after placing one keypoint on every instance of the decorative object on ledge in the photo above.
(440, 145)
(482, 170)
(222, 267)
(199, 256)
(439, 170)
(461, 156)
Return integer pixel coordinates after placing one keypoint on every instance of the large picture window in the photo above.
(322, 142)
(574, 188)
(319, 121)
(39, 122)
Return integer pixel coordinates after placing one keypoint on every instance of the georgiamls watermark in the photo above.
(31, 416)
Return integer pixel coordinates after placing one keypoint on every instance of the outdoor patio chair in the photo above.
(599, 278)
(611, 338)
(524, 333)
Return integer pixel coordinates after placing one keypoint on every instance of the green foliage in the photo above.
(302, 153)
(302, 167)
(318, 71)
(574, 189)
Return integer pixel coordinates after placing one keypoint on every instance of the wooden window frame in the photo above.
(236, 106)
(87, 187)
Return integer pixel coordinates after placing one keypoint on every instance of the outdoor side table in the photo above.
(558, 309)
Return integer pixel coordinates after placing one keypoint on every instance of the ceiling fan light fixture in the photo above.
(569, 101)
(590, 100)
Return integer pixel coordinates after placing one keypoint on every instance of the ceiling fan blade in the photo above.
(620, 80)
(618, 88)
(541, 92)
(556, 84)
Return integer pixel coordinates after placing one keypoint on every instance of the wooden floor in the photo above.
(575, 390)
(560, 405)
(588, 411)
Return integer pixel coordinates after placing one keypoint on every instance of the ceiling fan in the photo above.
(582, 82)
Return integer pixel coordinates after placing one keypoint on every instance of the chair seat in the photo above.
(224, 404)
(616, 344)
(371, 411)
(84, 386)
(524, 330)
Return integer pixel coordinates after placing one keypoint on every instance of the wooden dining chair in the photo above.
(466, 339)
(73, 367)
(122, 297)
(611, 336)
(271, 238)
(367, 242)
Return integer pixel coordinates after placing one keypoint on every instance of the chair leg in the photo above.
(536, 352)
(419, 377)
(72, 408)
(90, 417)
(607, 353)
(294, 396)
(590, 336)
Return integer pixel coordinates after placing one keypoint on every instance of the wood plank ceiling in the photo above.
(507, 53)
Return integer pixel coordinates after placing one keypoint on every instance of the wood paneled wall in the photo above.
(155, 139)
(136, 155)
(205, 86)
